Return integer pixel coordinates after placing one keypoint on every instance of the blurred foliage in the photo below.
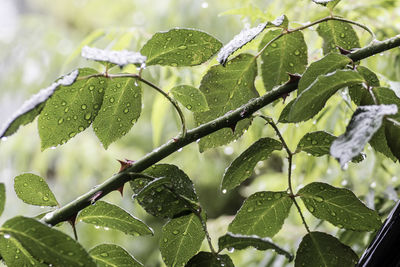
(44, 39)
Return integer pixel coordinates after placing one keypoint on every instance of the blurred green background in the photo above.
(41, 40)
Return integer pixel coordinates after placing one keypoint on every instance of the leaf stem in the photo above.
(290, 160)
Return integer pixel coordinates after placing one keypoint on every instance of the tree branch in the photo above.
(225, 121)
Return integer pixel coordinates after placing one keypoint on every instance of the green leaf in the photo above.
(32, 108)
(338, 206)
(207, 259)
(121, 108)
(242, 242)
(365, 121)
(14, 254)
(313, 99)
(192, 98)
(180, 47)
(337, 34)
(242, 167)
(262, 214)
(358, 93)
(108, 215)
(331, 5)
(159, 200)
(284, 116)
(244, 37)
(33, 189)
(316, 143)
(181, 239)
(120, 58)
(110, 255)
(319, 249)
(392, 133)
(325, 65)
(2, 197)
(45, 243)
(227, 88)
(286, 55)
(71, 109)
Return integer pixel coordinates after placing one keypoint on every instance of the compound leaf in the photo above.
(313, 99)
(319, 249)
(45, 243)
(180, 47)
(110, 255)
(338, 206)
(33, 189)
(181, 239)
(230, 241)
(71, 109)
(242, 167)
(192, 98)
(262, 214)
(286, 55)
(121, 108)
(337, 34)
(108, 215)
(207, 259)
(162, 201)
(32, 108)
(365, 121)
(227, 88)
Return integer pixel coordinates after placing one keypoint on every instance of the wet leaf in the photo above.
(339, 206)
(45, 243)
(110, 255)
(365, 121)
(284, 116)
(2, 197)
(33, 189)
(207, 259)
(232, 241)
(325, 65)
(358, 93)
(120, 58)
(111, 216)
(319, 249)
(121, 109)
(286, 55)
(181, 239)
(244, 37)
(337, 34)
(227, 88)
(192, 98)
(180, 47)
(159, 200)
(14, 254)
(71, 109)
(313, 99)
(242, 167)
(262, 214)
(32, 108)
(392, 133)
(316, 143)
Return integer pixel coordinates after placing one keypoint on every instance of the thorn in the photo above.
(95, 197)
(175, 139)
(233, 127)
(125, 164)
(284, 97)
(72, 222)
(343, 51)
(121, 190)
(293, 77)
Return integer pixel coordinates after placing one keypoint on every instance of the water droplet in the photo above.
(112, 100)
(297, 52)
(189, 107)
(314, 142)
(274, 45)
(83, 107)
(81, 128)
(169, 39)
(118, 85)
(88, 116)
(63, 103)
(175, 232)
(70, 253)
(318, 199)
(126, 110)
(250, 209)
(182, 47)
(311, 208)
(104, 254)
(60, 121)
(72, 134)
(291, 64)
(340, 226)
(277, 195)
(66, 109)
(25, 184)
(333, 213)
(342, 35)
(45, 198)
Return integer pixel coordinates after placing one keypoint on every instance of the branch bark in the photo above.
(231, 118)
